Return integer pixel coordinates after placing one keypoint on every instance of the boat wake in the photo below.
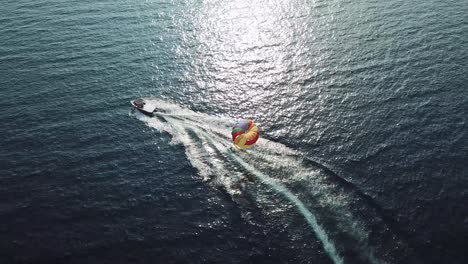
(348, 229)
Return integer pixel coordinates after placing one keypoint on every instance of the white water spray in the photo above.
(208, 147)
(309, 217)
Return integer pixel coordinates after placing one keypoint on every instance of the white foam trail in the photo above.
(208, 147)
(328, 245)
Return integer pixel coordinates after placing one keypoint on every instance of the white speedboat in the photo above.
(145, 107)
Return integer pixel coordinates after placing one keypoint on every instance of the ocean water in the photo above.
(362, 107)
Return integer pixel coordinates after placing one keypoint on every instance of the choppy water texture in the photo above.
(362, 108)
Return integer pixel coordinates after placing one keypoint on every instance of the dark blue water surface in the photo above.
(372, 96)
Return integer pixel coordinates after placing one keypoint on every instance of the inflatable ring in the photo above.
(244, 134)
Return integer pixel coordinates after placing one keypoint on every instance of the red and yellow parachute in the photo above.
(245, 133)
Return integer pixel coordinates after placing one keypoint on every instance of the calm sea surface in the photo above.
(362, 107)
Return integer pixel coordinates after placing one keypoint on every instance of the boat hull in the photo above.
(142, 109)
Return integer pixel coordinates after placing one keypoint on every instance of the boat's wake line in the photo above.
(335, 215)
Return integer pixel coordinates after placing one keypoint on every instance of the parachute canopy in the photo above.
(245, 133)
